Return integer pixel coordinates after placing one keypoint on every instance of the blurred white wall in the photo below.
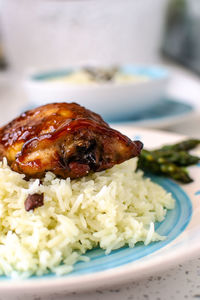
(57, 33)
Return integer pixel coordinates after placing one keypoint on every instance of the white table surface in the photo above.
(180, 282)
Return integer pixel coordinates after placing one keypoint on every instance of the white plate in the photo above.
(182, 227)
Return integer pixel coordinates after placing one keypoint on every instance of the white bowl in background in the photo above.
(113, 101)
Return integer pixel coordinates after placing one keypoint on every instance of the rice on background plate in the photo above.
(108, 209)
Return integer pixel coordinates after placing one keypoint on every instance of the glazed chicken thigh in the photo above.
(64, 138)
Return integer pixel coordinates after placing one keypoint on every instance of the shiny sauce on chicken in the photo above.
(64, 138)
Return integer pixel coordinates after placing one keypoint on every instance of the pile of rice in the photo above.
(109, 209)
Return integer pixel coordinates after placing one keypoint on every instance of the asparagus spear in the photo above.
(184, 145)
(160, 166)
(170, 160)
(180, 158)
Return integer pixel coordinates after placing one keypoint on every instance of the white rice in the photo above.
(109, 209)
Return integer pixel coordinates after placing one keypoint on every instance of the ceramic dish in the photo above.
(168, 112)
(181, 227)
(111, 100)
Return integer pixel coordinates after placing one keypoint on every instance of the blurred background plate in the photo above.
(168, 112)
(165, 113)
(135, 89)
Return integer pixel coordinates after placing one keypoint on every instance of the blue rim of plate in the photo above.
(174, 224)
(164, 109)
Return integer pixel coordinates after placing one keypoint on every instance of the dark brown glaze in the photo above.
(64, 138)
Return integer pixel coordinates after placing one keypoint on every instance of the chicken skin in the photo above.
(64, 138)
